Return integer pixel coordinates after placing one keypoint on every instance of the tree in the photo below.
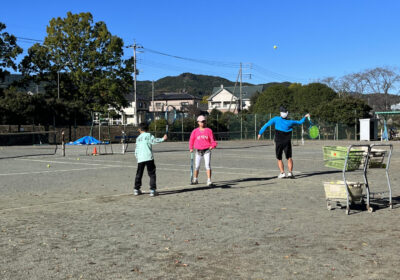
(381, 80)
(204, 99)
(89, 57)
(253, 101)
(272, 98)
(9, 50)
(307, 98)
(345, 110)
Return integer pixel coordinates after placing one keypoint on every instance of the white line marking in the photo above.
(182, 165)
(114, 195)
(51, 171)
(168, 169)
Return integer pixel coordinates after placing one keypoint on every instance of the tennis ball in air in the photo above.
(275, 47)
(48, 166)
(78, 159)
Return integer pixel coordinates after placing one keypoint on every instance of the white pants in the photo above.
(207, 159)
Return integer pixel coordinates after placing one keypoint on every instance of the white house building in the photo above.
(127, 114)
(395, 107)
(222, 97)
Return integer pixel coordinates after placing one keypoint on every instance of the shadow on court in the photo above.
(219, 185)
(318, 173)
(244, 147)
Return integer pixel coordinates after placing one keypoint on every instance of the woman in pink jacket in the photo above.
(202, 139)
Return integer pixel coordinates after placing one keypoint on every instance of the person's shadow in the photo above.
(218, 185)
(317, 173)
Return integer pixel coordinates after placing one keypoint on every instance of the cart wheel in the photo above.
(329, 206)
(370, 209)
(347, 211)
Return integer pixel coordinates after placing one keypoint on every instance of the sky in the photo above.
(314, 38)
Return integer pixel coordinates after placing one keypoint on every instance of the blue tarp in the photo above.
(87, 140)
(385, 131)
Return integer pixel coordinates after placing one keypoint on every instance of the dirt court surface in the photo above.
(77, 218)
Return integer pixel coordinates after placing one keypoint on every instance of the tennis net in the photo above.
(21, 144)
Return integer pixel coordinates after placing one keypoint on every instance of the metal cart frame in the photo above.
(365, 170)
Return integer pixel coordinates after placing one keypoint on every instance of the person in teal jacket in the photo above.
(144, 156)
(283, 139)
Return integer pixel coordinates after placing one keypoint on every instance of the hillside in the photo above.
(198, 85)
(377, 100)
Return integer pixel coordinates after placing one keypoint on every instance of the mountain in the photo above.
(197, 85)
(378, 101)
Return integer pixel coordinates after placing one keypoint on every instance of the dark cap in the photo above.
(282, 109)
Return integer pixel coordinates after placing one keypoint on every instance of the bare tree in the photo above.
(355, 83)
(333, 83)
(381, 80)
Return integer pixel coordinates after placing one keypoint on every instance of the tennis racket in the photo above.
(191, 167)
(313, 130)
(170, 117)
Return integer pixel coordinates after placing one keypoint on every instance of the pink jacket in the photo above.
(202, 139)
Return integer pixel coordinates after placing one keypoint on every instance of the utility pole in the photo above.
(134, 47)
(58, 84)
(152, 99)
(240, 88)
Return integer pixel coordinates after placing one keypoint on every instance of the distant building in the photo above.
(127, 114)
(395, 107)
(179, 101)
(147, 109)
(224, 97)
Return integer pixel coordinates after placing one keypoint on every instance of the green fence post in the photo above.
(270, 128)
(183, 136)
(255, 126)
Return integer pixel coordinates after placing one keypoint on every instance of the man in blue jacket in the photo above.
(283, 139)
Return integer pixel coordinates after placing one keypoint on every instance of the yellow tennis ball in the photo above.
(275, 47)
(78, 159)
(48, 166)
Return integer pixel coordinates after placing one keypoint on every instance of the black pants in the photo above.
(283, 143)
(151, 170)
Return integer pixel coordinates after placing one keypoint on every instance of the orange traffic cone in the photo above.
(94, 153)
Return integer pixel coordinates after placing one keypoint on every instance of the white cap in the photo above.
(201, 118)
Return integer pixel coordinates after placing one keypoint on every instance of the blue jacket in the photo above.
(281, 124)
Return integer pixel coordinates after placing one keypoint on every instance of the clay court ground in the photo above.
(78, 219)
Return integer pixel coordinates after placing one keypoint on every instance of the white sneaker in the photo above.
(209, 183)
(290, 175)
(195, 181)
(282, 175)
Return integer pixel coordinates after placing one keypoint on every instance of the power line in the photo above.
(30, 39)
(203, 61)
(263, 72)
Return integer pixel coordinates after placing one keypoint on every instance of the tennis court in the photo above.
(75, 217)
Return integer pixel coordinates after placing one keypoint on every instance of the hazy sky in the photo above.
(314, 39)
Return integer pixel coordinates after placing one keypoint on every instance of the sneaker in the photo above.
(195, 181)
(290, 175)
(137, 192)
(209, 183)
(282, 175)
(153, 193)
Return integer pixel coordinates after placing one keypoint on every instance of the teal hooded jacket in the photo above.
(144, 146)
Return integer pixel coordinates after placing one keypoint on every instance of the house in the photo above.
(148, 109)
(395, 107)
(224, 97)
(127, 114)
(179, 101)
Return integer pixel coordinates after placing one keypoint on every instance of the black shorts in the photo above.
(283, 143)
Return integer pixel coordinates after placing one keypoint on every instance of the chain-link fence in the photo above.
(247, 127)
(224, 126)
